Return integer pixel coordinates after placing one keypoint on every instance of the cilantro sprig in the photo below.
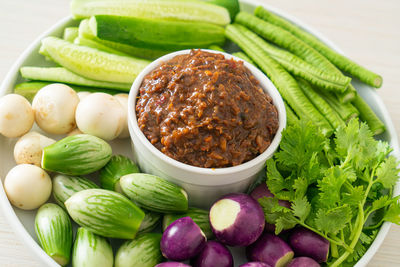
(339, 188)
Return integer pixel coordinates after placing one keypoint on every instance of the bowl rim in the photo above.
(267, 86)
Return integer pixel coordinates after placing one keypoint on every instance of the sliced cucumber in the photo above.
(86, 33)
(231, 5)
(93, 44)
(154, 193)
(156, 33)
(144, 251)
(150, 221)
(70, 33)
(199, 216)
(117, 167)
(29, 89)
(190, 10)
(76, 155)
(91, 250)
(65, 186)
(54, 231)
(92, 63)
(62, 75)
(105, 213)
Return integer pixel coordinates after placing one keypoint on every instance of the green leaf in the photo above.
(333, 220)
(284, 223)
(354, 197)
(301, 208)
(275, 181)
(381, 202)
(300, 185)
(282, 217)
(387, 172)
(393, 214)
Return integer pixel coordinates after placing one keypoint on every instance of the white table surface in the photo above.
(366, 30)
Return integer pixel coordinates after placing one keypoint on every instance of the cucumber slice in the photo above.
(231, 5)
(54, 231)
(156, 33)
(153, 193)
(117, 167)
(105, 213)
(91, 250)
(86, 32)
(62, 75)
(189, 10)
(65, 186)
(29, 89)
(150, 221)
(92, 63)
(93, 44)
(144, 251)
(76, 155)
(70, 33)
(199, 216)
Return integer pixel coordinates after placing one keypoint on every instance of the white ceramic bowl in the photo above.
(203, 185)
(22, 221)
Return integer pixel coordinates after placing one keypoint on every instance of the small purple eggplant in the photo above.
(214, 254)
(303, 262)
(172, 264)
(305, 242)
(255, 264)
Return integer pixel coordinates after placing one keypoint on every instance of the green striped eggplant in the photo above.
(117, 167)
(199, 216)
(105, 213)
(143, 251)
(150, 221)
(91, 250)
(65, 186)
(76, 155)
(154, 193)
(54, 231)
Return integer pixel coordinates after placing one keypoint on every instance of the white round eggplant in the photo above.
(82, 95)
(54, 106)
(123, 100)
(27, 186)
(229, 219)
(101, 115)
(29, 147)
(16, 116)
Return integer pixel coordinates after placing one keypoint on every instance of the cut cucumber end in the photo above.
(60, 259)
(378, 82)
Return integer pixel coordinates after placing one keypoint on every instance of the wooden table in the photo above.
(367, 30)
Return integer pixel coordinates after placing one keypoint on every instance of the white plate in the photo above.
(23, 221)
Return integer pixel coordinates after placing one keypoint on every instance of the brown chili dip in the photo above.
(206, 111)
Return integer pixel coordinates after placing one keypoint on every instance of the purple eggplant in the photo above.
(255, 264)
(214, 254)
(237, 219)
(307, 243)
(270, 249)
(182, 240)
(303, 262)
(172, 264)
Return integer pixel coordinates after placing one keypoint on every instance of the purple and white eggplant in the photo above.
(237, 219)
(182, 240)
(214, 254)
(307, 243)
(270, 249)
(172, 264)
(255, 264)
(303, 262)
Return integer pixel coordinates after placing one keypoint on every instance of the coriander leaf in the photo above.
(345, 138)
(284, 223)
(393, 214)
(275, 181)
(381, 202)
(300, 185)
(387, 172)
(301, 208)
(354, 196)
(333, 220)
(275, 214)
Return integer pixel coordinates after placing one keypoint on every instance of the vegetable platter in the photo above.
(22, 221)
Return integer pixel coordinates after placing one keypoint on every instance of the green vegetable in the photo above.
(150, 221)
(244, 57)
(293, 44)
(54, 231)
(216, 47)
(342, 62)
(368, 115)
(91, 250)
(154, 193)
(143, 251)
(345, 110)
(284, 82)
(336, 188)
(92, 63)
(117, 167)
(334, 119)
(156, 33)
(188, 10)
(105, 213)
(99, 46)
(76, 155)
(65, 186)
(70, 33)
(291, 117)
(199, 216)
(85, 33)
(63, 75)
(231, 5)
(29, 89)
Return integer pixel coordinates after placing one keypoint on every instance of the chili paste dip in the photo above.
(206, 111)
